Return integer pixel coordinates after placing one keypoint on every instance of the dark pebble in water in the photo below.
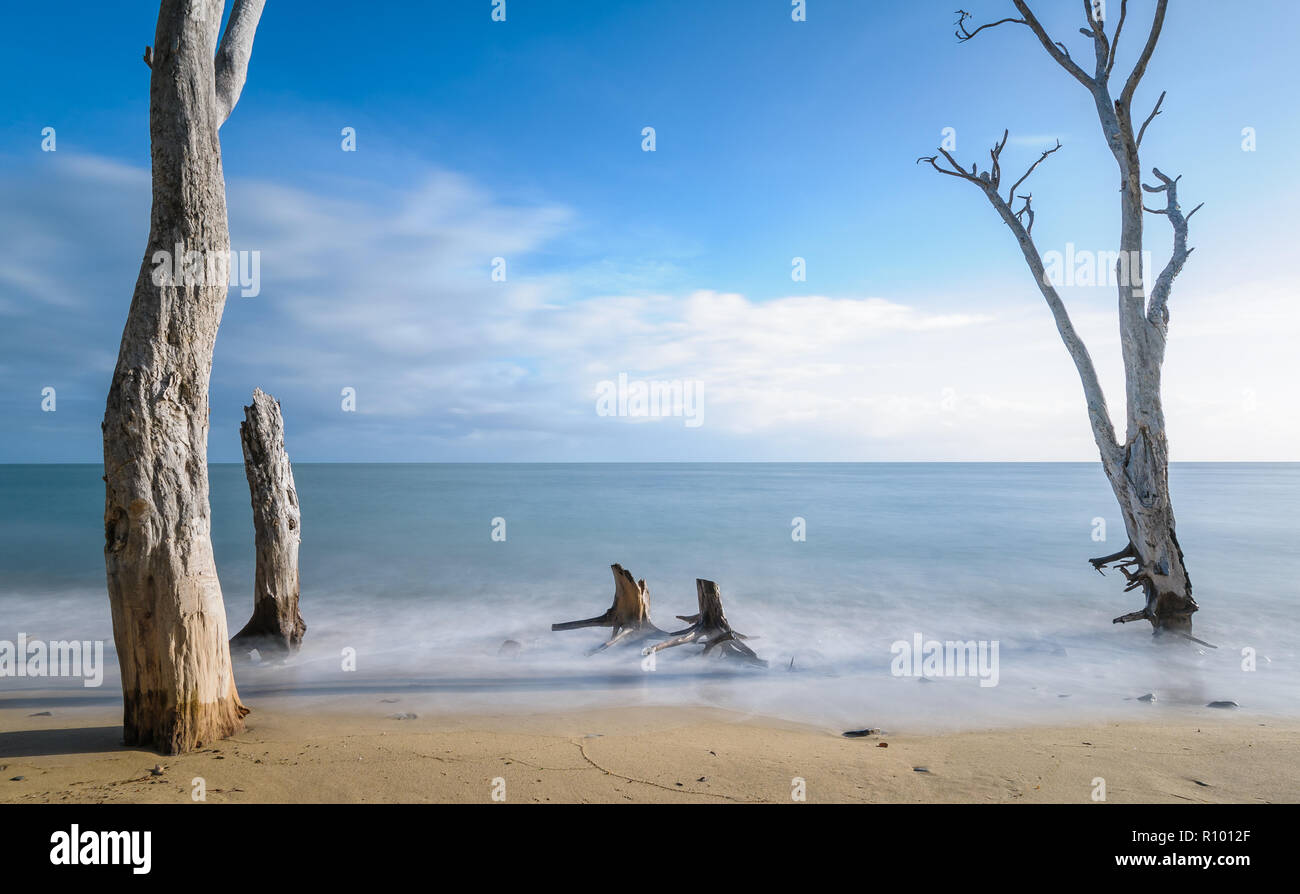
(1065, 695)
(859, 733)
(509, 647)
(41, 714)
(402, 715)
(920, 769)
(1223, 704)
(1149, 697)
(924, 680)
(389, 701)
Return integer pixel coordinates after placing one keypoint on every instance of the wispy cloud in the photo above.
(393, 295)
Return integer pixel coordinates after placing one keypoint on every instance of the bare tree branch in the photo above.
(933, 161)
(1151, 117)
(1097, 31)
(1056, 50)
(1114, 43)
(964, 35)
(233, 54)
(1027, 211)
(1098, 413)
(1140, 67)
(1158, 308)
(1041, 159)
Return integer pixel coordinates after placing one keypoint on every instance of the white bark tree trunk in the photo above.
(169, 623)
(276, 627)
(1138, 469)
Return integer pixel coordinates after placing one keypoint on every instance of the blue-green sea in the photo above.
(400, 565)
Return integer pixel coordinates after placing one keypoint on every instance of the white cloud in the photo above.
(391, 294)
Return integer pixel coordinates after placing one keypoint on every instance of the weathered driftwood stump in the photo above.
(276, 626)
(629, 616)
(709, 628)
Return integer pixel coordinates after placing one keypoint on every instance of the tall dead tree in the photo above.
(1137, 468)
(276, 627)
(629, 616)
(169, 623)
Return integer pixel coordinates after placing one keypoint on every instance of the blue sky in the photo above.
(918, 333)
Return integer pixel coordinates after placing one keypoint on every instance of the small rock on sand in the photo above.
(17, 778)
(42, 714)
(402, 715)
(1149, 697)
(157, 770)
(920, 769)
(859, 733)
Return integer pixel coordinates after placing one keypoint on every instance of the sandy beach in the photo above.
(294, 751)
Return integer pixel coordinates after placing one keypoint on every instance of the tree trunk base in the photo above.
(268, 643)
(629, 616)
(149, 722)
(1166, 610)
(710, 628)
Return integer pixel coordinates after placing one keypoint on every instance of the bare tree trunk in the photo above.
(169, 623)
(276, 627)
(629, 616)
(1138, 469)
(709, 627)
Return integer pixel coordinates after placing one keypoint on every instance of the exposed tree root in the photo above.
(709, 627)
(1166, 610)
(629, 616)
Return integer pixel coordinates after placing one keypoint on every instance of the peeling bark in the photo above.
(169, 623)
(276, 627)
(629, 616)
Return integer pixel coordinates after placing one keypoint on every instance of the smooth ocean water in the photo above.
(398, 563)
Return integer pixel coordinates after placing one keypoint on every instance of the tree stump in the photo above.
(276, 626)
(629, 616)
(709, 627)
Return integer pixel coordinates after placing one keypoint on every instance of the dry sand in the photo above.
(298, 752)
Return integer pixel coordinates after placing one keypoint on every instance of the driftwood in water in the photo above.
(629, 616)
(276, 626)
(710, 627)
